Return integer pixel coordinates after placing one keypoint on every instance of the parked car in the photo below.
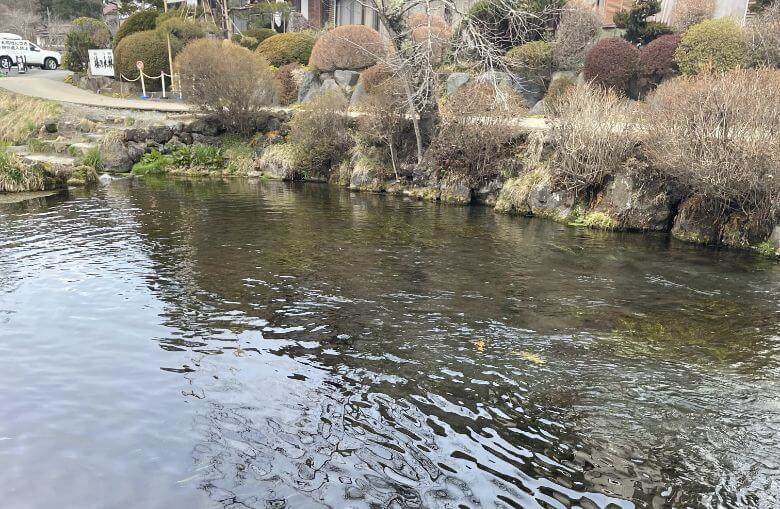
(13, 46)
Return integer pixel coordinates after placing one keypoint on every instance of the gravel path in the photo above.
(49, 85)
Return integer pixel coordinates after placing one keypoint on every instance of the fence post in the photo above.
(143, 87)
(162, 78)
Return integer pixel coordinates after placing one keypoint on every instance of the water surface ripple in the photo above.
(249, 344)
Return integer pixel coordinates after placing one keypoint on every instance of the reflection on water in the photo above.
(252, 344)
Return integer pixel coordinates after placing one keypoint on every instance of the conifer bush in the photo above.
(286, 48)
(576, 32)
(612, 63)
(716, 44)
(353, 47)
(532, 60)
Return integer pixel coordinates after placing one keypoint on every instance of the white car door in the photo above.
(34, 54)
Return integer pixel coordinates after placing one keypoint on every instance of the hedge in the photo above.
(282, 49)
(185, 30)
(353, 47)
(139, 21)
(718, 44)
(260, 34)
(612, 63)
(151, 48)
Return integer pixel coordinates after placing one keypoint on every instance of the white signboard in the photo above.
(101, 62)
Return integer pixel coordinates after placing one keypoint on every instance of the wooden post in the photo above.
(170, 52)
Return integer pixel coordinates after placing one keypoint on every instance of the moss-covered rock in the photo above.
(83, 176)
(695, 221)
(744, 231)
(367, 175)
(281, 162)
(455, 192)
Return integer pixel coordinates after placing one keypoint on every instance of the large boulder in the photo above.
(346, 78)
(455, 192)
(636, 204)
(280, 162)
(530, 91)
(116, 157)
(774, 239)
(357, 95)
(309, 87)
(367, 176)
(456, 80)
(696, 221)
(533, 194)
(744, 231)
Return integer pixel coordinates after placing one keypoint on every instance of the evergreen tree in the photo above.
(638, 29)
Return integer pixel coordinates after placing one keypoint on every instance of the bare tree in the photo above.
(20, 20)
(415, 50)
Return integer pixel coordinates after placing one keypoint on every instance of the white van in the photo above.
(13, 46)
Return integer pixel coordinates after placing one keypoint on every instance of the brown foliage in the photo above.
(287, 83)
(657, 58)
(612, 63)
(352, 47)
(594, 133)
(575, 34)
(475, 142)
(719, 136)
(687, 13)
(225, 79)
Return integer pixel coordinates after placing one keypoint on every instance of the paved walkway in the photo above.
(49, 85)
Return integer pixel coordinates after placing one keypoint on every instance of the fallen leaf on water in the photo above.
(531, 357)
(480, 345)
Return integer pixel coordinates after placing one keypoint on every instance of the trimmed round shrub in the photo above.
(612, 63)
(139, 21)
(576, 32)
(226, 80)
(287, 83)
(84, 35)
(184, 29)
(260, 34)
(658, 58)
(503, 29)
(249, 43)
(430, 29)
(352, 47)
(151, 48)
(557, 90)
(717, 44)
(532, 60)
(375, 77)
(282, 49)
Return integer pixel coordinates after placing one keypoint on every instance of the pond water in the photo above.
(204, 344)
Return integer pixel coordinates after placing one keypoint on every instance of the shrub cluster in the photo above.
(473, 145)
(139, 21)
(286, 48)
(227, 80)
(635, 21)
(717, 44)
(594, 134)
(319, 133)
(260, 34)
(576, 32)
(717, 136)
(185, 30)
(352, 47)
(763, 37)
(532, 60)
(612, 63)
(85, 34)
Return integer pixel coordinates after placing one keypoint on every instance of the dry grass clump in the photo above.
(576, 33)
(17, 177)
(475, 143)
(20, 116)
(320, 132)
(718, 135)
(594, 134)
(352, 47)
(687, 13)
(227, 80)
(763, 36)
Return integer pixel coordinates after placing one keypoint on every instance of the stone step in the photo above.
(51, 159)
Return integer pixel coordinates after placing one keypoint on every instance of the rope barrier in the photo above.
(142, 75)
